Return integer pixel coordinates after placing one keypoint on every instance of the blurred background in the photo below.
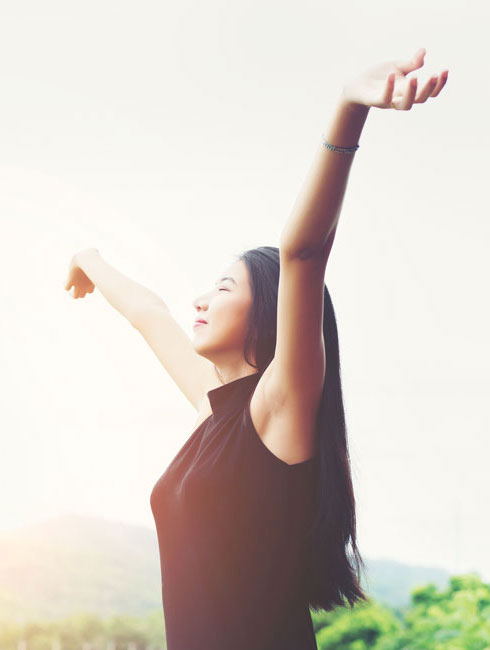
(172, 136)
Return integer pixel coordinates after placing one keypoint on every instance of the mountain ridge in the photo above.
(73, 563)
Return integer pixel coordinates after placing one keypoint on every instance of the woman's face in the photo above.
(225, 309)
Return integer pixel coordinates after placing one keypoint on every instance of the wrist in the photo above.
(350, 106)
(85, 255)
(346, 125)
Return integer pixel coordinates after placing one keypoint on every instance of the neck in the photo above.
(227, 374)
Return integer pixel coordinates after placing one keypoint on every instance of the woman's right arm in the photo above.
(88, 270)
(149, 314)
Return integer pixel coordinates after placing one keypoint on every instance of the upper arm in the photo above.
(192, 373)
(297, 371)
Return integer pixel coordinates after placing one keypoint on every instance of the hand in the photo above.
(386, 85)
(77, 278)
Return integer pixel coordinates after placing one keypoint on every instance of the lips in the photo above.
(200, 321)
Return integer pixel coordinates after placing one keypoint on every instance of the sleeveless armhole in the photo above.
(262, 447)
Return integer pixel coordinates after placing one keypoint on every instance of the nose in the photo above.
(199, 303)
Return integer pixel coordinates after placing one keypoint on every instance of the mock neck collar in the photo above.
(233, 393)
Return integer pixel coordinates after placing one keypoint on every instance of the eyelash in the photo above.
(223, 289)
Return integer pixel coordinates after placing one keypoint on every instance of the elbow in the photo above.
(304, 252)
(307, 250)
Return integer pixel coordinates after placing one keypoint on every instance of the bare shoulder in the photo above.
(285, 424)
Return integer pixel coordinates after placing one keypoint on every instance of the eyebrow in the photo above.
(226, 277)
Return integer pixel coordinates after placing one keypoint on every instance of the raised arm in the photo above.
(311, 226)
(88, 269)
(313, 220)
(150, 315)
(296, 374)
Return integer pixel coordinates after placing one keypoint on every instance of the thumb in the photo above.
(417, 61)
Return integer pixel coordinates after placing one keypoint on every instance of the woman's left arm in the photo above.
(317, 209)
(310, 229)
(296, 374)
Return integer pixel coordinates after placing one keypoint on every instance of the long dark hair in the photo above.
(333, 570)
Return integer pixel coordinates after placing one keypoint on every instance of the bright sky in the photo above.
(175, 135)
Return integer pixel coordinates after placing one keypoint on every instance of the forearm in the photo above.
(317, 209)
(124, 294)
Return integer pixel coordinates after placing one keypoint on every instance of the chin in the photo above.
(199, 348)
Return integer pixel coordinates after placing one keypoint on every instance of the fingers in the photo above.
(431, 88)
(406, 102)
(441, 83)
(390, 85)
(81, 292)
(427, 90)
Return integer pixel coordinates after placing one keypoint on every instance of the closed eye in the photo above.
(223, 289)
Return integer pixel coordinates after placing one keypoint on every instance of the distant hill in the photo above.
(74, 563)
(390, 582)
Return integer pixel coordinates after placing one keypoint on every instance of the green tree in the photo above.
(358, 628)
(457, 618)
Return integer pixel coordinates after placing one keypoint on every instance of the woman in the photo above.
(255, 514)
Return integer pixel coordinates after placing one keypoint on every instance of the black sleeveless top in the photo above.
(232, 522)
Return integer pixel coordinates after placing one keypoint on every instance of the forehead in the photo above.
(237, 271)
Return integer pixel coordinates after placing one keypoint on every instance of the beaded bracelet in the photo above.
(334, 147)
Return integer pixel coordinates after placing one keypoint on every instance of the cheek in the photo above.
(241, 320)
(232, 319)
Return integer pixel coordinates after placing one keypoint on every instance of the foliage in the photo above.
(354, 629)
(457, 618)
(75, 632)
